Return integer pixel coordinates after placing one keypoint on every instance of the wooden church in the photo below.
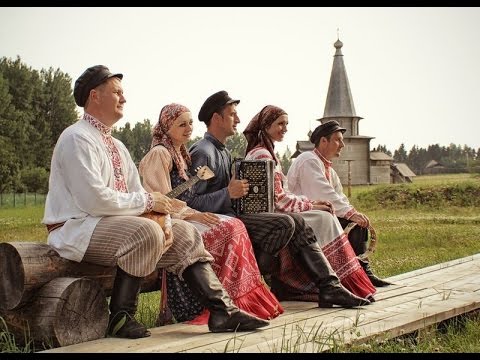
(356, 162)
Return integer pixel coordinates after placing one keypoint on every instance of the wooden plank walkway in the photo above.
(417, 299)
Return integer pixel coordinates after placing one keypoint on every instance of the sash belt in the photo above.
(51, 227)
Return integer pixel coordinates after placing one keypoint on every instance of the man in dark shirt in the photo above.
(269, 232)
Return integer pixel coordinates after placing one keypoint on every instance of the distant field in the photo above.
(409, 238)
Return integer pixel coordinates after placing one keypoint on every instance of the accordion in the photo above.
(260, 176)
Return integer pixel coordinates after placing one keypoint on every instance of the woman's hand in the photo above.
(207, 218)
(162, 203)
(324, 206)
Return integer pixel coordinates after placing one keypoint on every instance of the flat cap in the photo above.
(325, 129)
(214, 103)
(90, 79)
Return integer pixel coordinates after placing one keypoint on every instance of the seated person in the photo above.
(269, 232)
(265, 129)
(92, 215)
(312, 175)
(225, 237)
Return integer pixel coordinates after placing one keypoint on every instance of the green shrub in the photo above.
(404, 196)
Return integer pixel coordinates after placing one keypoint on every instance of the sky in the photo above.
(414, 73)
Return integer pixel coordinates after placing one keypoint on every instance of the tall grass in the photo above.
(411, 235)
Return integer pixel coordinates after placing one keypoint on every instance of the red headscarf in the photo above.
(256, 130)
(168, 115)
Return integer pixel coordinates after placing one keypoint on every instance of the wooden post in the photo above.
(349, 181)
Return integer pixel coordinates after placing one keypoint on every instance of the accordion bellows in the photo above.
(260, 176)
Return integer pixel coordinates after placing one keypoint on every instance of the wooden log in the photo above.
(64, 311)
(26, 266)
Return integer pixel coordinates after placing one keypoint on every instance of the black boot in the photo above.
(123, 305)
(265, 264)
(224, 315)
(376, 281)
(358, 238)
(332, 292)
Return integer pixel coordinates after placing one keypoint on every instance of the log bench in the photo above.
(47, 299)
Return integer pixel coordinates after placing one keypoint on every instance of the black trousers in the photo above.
(358, 236)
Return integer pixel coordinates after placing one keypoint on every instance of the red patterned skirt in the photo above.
(292, 283)
(237, 269)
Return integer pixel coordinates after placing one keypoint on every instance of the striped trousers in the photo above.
(136, 245)
(271, 232)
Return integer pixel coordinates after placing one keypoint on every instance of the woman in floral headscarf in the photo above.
(266, 128)
(165, 167)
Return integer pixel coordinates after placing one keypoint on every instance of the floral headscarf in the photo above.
(256, 130)
(168, 115)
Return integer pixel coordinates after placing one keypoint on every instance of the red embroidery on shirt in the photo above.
(119, 182)
(327, 163)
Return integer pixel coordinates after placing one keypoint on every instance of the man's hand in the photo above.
(361, 219)
(237, 188)
(162, 203)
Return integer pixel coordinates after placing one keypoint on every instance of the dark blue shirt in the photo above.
(212, 195)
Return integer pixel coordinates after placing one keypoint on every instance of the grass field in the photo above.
(410, 237)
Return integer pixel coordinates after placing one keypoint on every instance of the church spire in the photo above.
(339, 101)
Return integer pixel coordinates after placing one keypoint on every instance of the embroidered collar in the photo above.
(327, 162)
(104, 129)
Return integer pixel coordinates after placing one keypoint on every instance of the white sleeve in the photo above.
(308, 178)
(86, 168)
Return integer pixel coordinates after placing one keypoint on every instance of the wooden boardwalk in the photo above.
(417, 299)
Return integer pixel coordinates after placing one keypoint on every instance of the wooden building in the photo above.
(365, 167)
(434, 167)
(380, 164)
(401, 173)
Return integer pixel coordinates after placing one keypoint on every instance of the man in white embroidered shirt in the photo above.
(92, 213)
(312, 175)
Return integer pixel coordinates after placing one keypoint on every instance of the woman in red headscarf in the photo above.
(266, 128)
(165, 167)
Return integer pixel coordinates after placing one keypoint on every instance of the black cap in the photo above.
(325, 129)
(214, 103)
(90, 79)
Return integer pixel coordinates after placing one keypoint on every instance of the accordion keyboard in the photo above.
(259, 174)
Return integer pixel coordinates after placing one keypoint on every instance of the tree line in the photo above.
(36, 106)
(452, 158)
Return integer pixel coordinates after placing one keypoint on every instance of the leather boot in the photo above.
(376, 281)
(360, 246)
(123, 305)
(265, 263)
(332, 292)
(224, 315)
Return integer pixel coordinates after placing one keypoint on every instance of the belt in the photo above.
(51, 227)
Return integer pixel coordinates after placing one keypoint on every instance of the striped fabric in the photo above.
(269, 232)
(136, 245)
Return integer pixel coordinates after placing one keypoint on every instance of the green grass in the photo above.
(22, 224)
(409, 238)
(456, 335)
